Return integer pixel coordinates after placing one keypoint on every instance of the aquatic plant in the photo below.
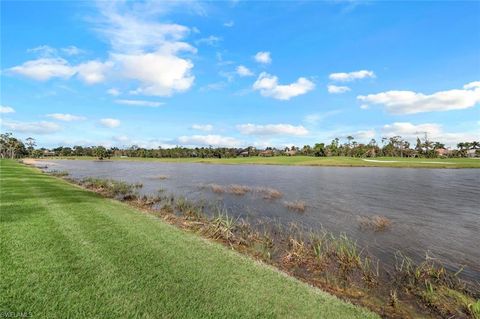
(235, 189)
(298, 205)
(375, 223)
(269, 193)
(112, 188)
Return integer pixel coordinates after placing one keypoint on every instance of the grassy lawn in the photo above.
(67, 252)
(322, 161)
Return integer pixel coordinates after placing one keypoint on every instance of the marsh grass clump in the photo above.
(58, 173)
(238, 189)
(297, 206)
(269, 193)
(113, 188)
(222, 227)
(375, 223)
(219, 189)
(189, 209)
(234, 189)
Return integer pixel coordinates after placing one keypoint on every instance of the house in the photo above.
(442, 152)
(48, 153)
(471, 153)
(244, 154)
(266, 153)
(291, 153)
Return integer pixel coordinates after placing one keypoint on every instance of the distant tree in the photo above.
(319, 149)
(100, 152)
(11, 147)
(30, 141)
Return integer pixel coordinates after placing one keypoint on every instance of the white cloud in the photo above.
(207, 140)
(272, 129)
(407, 129)
(435, 132)
(229, 24)
(268, 86)
(72, 50)
(42, 127)
(202, 127)
(213, 87)
(472, 85)
(145, 50)
(66, 117)
(113, 92)
(48, 51)
(93, 72)
(131, 29)
(263, 57)
(44, 51)
(409, 102)
(139, 103)
(210, 40)
(160, 73)
(317, 117)
(45, 68)
(142, 49)
(364, 106)
(365, 135)
(111, 123)
(6, 109)
(356, 75)
(337, 89)
(243, 71)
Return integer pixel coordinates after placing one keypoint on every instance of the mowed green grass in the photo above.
(320, 161)
(68, 253)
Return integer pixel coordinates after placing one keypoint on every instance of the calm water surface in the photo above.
(435, 210)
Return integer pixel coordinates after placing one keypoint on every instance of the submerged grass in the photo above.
(375, 223)
(298, 205)
(112, 188)
(264, 192)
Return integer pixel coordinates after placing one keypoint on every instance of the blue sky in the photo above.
(239, 73)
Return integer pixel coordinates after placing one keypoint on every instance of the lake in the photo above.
(432, 210)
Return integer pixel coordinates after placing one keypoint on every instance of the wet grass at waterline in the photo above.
(332, 262)
(70, 253)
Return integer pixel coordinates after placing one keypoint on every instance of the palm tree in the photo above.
(350, 139)
(438, 145)
(475, 145)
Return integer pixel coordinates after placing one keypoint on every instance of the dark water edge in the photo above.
(435, 210)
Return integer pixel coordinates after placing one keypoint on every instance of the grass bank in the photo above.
(67, 252)
(318, 161)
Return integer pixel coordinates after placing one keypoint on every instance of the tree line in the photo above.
(396, 146)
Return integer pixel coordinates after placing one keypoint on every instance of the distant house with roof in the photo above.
(442, 152)
(471, 153)
(266, 153)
